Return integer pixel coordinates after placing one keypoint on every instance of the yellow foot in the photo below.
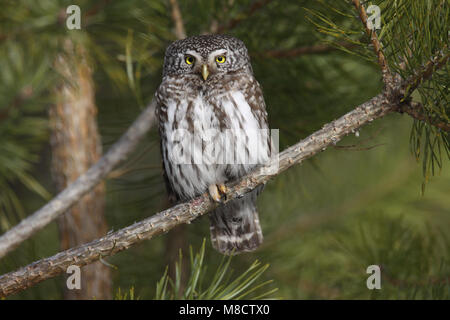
(216, 191)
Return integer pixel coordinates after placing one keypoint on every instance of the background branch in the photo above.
(177, 18)
(86, 182)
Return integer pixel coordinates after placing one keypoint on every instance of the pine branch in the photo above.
(415, 110)
(86, 182)
(377, 47)
(162, 222)
(177, 18)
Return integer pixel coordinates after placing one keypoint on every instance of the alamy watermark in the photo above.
(374, 280)
(374, 20)
(73, 20)
(74, 280)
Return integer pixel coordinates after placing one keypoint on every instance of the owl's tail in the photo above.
(235, 226)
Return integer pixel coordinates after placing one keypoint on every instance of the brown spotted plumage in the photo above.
(213, 128)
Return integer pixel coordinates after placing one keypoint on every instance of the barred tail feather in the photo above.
(235, 227)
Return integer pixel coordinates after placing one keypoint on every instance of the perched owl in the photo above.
(213, 128)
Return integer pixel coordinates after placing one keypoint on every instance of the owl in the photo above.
(213, 129)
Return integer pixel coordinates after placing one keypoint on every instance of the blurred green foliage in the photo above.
(324, 221)
(219, 287)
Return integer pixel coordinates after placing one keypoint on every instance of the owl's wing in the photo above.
(171, 195)
(255, 99)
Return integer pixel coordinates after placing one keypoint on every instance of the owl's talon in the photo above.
(215, 191)
(223, 189)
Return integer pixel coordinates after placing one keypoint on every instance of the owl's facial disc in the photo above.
(205, 66)
(222, 55)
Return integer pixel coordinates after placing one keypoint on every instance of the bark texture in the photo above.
(76, 146)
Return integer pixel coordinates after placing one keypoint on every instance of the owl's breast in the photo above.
(211, 138)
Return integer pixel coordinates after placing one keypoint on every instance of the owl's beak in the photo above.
(205, 72)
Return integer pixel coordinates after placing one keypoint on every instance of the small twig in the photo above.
(416, 111)
(106, 263)
(354, 147)
(427, 71)
(177, 18)
(387, 76)
(361, 142)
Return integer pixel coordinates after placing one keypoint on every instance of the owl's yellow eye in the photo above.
(189, 59)
(220, 59)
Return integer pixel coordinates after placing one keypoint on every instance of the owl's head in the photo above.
(205, 56)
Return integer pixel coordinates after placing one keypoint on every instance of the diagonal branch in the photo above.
(162, 222)
(414, 109)
(86, 182)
